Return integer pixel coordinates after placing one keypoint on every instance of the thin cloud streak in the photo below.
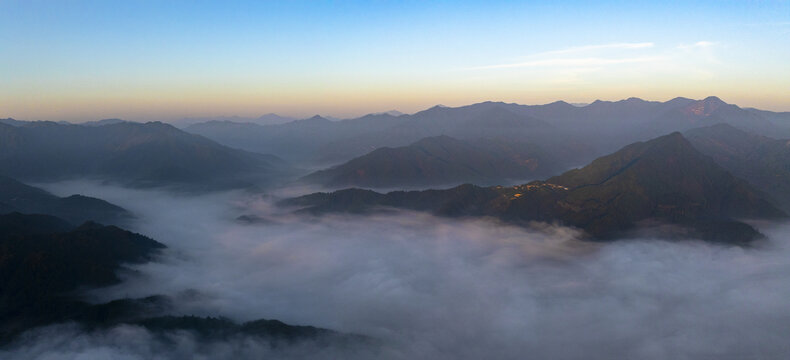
(592, 58)
(698, 45)
(573, 62)
(577, 49)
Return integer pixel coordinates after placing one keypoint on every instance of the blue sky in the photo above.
(149, 60)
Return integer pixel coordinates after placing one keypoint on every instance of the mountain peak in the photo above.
(679, 102)
(661, 181)
(713, 99)
(491, 102)
(705, 107)
(317, 118)
(671, 148)
(674, 143)
(560, 103)
(390, 113)
(271, 116)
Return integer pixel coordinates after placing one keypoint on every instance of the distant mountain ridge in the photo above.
(603, 125)
(661, 181)
(266, 119)
(150, 154)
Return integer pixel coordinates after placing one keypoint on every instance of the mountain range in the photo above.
(664, 184)
(143, 155)
(266, 119)
(602, 126)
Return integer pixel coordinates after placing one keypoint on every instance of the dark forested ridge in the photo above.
(77, 209)
(45, 262)
(664, 180)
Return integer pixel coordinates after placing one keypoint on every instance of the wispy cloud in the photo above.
(579, 49)
(580, 56)
(697, 45)
(573, 62)
(614, 62)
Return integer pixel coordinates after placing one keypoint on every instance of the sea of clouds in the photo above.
(433, 288)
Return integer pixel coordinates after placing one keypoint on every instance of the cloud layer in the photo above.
(440, 288)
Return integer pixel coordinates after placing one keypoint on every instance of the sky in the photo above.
(164, 60)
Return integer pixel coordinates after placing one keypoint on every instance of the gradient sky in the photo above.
(160, 60)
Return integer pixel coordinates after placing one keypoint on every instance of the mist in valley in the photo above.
(430, 287)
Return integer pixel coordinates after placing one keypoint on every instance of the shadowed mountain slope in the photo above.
(77, 209)
(762, 161)
(664, 181)
(151, 154)
(43, 259)
(442, 160)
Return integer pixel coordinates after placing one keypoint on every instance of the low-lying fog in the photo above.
(433, 288)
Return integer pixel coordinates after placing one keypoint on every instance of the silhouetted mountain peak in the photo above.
(314, 120)
(705, 107)
(713, 99)
(678, 102)
(669, 150)
(490, 102)
(433, 111)
(664, 180)
(560, 104)
(103, 122)
(393, 112)
(269, 115)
